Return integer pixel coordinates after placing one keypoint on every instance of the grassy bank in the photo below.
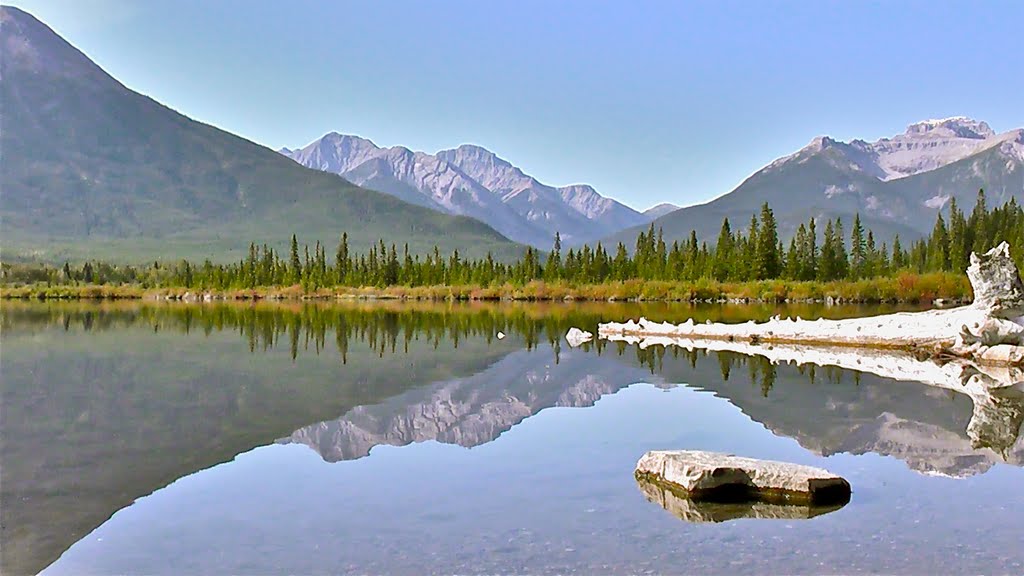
(901, 288)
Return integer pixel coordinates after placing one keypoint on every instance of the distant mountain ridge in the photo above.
(660, 210)
(472, 181)
(896, 184)
(92, 169)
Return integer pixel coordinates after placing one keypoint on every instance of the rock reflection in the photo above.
(704, 511)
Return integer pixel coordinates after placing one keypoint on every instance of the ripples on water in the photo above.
(408, 438)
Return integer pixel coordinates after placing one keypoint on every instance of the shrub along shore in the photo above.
(907, 288)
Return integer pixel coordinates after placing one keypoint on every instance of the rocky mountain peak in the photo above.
(347, 141)
(925, 146)
(952, 127)
(473, 181)
(585, 200)
(476, 160)
(660, 210)
(820, 143)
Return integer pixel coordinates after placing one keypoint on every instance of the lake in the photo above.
(407, 438)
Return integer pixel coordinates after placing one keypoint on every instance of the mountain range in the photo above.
(92, 169)
(897, 185)
(473, 181)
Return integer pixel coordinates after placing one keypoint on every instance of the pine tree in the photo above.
(768, 262)
(872, 264)
(749, 262)
(978, 225)
(342, 260)
(842, 261)
(621, 263)
(899, 259)
(793, 255)
(959, 251)
(295, 266)
(553, 267)
(828, 264)
(809, 267)
(858, 249)
(938, 247)
(724, 249)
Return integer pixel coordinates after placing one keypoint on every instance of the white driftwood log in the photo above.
(989, 331)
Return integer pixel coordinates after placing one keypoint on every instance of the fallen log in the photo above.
(989, 331)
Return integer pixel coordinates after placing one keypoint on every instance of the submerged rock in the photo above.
(723, 477)
(699, 511)
(575, 336)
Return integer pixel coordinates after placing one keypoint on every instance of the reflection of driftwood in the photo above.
(576, 337)
(996, 391)
(989, 331)
(689, 510)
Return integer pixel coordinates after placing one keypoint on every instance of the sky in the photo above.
(673, 101)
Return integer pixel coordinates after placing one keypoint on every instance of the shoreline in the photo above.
(937, 288)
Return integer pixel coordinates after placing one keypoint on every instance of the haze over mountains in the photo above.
(897, 184)
(473, 181)
(91, 169)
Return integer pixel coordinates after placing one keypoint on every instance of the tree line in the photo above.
(752, 253)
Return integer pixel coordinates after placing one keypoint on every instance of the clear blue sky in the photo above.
(649, 102)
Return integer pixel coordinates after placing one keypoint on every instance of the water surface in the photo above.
(406, 438)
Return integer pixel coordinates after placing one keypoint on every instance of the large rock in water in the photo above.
(996, 283)
(724, 477)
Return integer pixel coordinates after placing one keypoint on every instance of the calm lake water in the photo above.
(410, 439)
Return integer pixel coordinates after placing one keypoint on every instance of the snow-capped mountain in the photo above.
(896, 184)
(472, 181)
(925, 146)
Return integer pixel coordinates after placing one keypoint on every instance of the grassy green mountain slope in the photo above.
(93, 169)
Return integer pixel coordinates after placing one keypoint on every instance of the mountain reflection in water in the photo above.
(104, 404)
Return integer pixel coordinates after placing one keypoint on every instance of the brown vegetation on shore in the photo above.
(905, 287)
